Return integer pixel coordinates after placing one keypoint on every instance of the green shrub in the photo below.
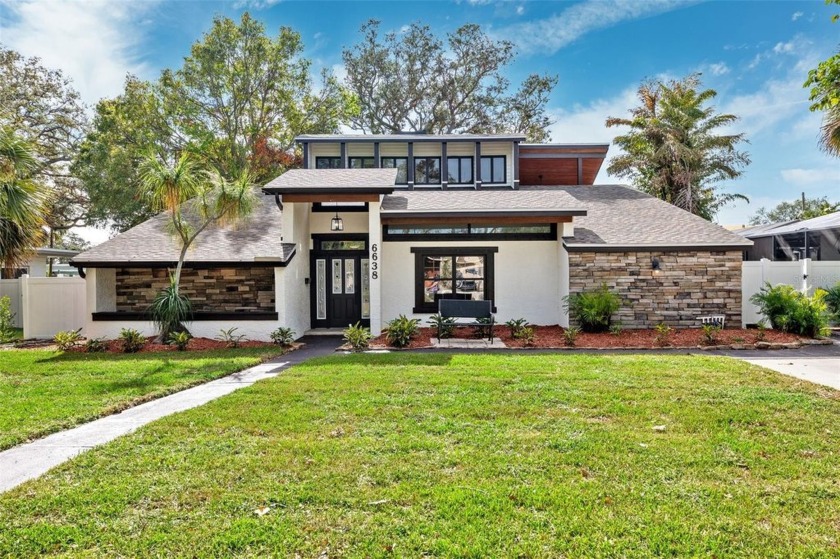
(615, 329)
(68, 339)
(481, 329)
(179, 340)
(791, 311)
(283, 336)
(94, 345)
(570, 335)
(446, 326)
(131, 340)
(517, 327)
(357, 336)
(832, 301)
(593, 309)
(527, 335)
(761, 330)
(169, 310)
(663, 334)
(8, 332)
(399, 331)
(230, 337)
(710, 334)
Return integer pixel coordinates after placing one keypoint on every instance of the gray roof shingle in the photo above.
(313, 180)
(498, 201)
(256, 239)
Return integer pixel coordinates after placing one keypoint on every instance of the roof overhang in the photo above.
(257, 262)
(591, 247)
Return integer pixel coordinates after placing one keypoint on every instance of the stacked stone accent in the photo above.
(210, 290)
(690, 284)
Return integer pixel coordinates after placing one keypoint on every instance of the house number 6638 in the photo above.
(374, 264)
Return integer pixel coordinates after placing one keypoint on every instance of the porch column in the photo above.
(375, 255)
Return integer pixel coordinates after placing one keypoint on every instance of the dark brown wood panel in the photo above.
(590, 170)
(547, 171)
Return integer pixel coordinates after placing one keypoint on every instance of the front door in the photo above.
(340, 288)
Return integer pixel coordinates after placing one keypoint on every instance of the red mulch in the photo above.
(195, 344)
(552, 337)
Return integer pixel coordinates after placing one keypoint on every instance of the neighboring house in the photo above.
(38, 264)
(817, 238)
(377, 226)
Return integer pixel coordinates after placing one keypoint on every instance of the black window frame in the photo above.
(426, 159)
(333, 158)
(420, 253)
(491, 178)
(469, 235)
(363, 159)
(395, 159)
(459, 159)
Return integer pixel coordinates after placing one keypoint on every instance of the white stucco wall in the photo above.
(527, 279)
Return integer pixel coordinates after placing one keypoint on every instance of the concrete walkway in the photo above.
(31, 460)
(817, 364)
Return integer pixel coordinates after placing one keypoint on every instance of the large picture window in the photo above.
(400, 164)
(427, 170)
(328, 163)
(460, 170)
(454, 273)
(471, 232)
(493, 169)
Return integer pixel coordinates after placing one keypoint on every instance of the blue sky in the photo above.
(755, 54)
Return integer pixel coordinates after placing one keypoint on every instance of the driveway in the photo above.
(817, 364)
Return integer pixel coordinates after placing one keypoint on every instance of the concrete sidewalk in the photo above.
(31, 460)
(817, 364)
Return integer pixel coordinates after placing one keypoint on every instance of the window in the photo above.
(454, 273)
(328, 163)
(460, 170)
(399, 163)
(427, 170)
(476, 232)
(362, 162)
(493, 169)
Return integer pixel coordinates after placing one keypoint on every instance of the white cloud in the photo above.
(784, 48)
(806, 177)
(256, 4)
(94, 42)
(796, 15)
(719, 68)
(553, 33)
(520, 9)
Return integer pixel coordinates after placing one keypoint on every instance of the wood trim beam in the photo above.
(292, 198)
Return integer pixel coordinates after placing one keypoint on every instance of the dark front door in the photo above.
(339, 287)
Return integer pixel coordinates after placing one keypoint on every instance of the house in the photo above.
(817, 238)
(38, 264)
(374, 226)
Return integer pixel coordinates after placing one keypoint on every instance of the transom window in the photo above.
(454, 273)
(427, 170)
(400, 164)
(460, 170)
(328, 163)
(467, 231)
(362, 162)
(493, 169)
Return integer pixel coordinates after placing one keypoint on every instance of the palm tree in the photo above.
(194, 199)
(672, 150)
(21, 201)
(830, 131)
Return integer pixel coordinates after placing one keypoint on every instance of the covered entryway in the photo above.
(340, 288)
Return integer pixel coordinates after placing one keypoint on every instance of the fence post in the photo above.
(806, 269)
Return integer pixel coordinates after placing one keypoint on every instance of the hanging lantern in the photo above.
(336, 223)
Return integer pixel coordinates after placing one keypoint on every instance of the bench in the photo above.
(480, 311)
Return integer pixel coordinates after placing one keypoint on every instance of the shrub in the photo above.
(832, 301)
(710, 334)
(399, 331)
(517, 327)
(615, 329)
(169, 310)
(761, 332)
(283, 336)
(663, 334)
(357, 336)
(179, 340)
(481, 329)
(8, 332)
(446, 326)
(527, 336)
(68, 339)
(230, 337)
(593, 309)
(131, 340)
(94, 345)
(570, 335)
(791, 311)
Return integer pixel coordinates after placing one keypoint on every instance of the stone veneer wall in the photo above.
(215, 289)
(692, 284)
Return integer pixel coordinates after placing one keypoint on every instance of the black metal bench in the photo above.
(480, 311)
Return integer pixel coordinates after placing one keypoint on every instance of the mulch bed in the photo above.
(195, 344)
(551, 337)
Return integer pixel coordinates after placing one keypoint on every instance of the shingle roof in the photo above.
(495, 201)
(619, 216)
(323, 180)
(256, 239)
(409, 137)
(829, 221)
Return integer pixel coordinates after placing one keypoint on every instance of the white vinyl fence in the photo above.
(11, 288)
(51, 305)
(804, 275)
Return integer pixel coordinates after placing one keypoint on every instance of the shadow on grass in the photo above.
(72, 356)
(382, 359)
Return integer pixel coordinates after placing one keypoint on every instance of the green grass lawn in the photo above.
(45, 391)
(461, 456)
